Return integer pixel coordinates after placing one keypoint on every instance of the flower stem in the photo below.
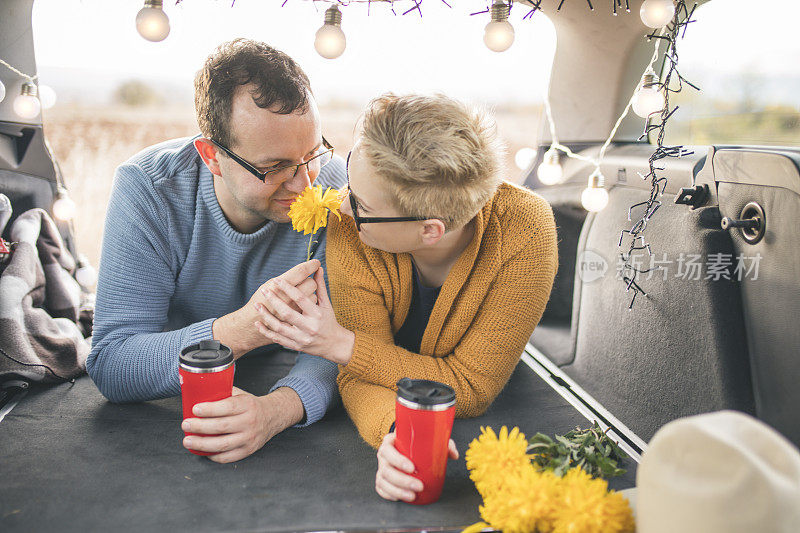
(310, 240)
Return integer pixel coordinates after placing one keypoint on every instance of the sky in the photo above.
(94, 44)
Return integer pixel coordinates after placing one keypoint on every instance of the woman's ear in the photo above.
(433, 229)
(208, 152)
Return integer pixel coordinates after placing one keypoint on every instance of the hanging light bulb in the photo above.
(550, 171)
(648, 98)
(594, 196)
(5, 211)
(657, 13)
(2, 91)
(47, 96)
(151, 21)
(27, 105)
(499, 33)
(64, 207)
(86, 275)
(524, 157)
(330, 41)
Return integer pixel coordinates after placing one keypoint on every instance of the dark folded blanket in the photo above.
(40, 305)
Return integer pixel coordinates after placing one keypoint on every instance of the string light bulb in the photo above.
(595, 197)
(2, 91)
(524, 157)
(47, 96)
(550, 171)
(657, 13)
(649, 98)
(85, 275)
(27, 104)
(499, 33)
(64, 207)
(330, 41)
(151, 21)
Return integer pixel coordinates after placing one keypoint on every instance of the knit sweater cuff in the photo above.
(199, 331)
(364, 349)
(311, 397)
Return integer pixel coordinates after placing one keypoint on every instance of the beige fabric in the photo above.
(718, 472)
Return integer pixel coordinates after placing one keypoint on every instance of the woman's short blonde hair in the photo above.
(439, 157)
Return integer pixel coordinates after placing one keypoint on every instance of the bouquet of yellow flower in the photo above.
(518, 497)
(309, 211)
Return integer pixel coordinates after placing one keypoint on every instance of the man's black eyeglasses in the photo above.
(367, 220)
(282, 173)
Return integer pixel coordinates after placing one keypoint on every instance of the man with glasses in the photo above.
(197, 229)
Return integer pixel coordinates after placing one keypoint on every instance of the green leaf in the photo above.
(565, 441)
(540, 438)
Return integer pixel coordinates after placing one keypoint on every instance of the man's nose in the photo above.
(300, 181)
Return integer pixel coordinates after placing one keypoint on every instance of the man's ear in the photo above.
(432, 230)
(208, 152)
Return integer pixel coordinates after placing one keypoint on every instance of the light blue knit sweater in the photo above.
(171, 264)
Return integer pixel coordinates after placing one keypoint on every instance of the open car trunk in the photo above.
(72, 461)
(705, 338)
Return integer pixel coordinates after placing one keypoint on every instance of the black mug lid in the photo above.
(425, 392)
(206, 354)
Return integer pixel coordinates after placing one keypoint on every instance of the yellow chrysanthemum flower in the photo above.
(309, 211)
(477, 527)
(492, 459)
(524, 504)
(587, 506)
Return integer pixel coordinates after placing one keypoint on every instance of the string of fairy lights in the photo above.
(667, 19)
(682, 18)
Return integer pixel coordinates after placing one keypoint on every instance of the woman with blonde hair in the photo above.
(441, 271)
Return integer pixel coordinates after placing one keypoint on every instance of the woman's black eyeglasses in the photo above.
(371, 220)
(320, 158)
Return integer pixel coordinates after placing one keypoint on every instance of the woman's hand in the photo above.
(393, 480)
(236, 329)
(313, 330)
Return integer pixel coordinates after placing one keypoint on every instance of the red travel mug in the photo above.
(206, 375)
(424, 413)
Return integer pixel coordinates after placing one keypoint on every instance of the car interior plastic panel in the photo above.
(771, 301)
(27, 173)
(73, 459)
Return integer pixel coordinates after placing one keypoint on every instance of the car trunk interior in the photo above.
(70, 457)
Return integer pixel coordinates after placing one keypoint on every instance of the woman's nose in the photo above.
(345, 207)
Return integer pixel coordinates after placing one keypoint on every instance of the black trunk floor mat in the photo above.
(72, 461)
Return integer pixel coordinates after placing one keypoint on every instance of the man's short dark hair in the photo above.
(279, 84)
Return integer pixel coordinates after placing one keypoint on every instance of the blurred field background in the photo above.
(89, 142)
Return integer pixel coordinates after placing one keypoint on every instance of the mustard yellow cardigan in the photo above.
(487, 309)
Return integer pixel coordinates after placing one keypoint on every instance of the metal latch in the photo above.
(693, 196)
(752, 221)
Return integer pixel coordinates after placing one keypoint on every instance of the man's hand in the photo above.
(312, 329)
(236, 329)
(242, 424)
(392, 481)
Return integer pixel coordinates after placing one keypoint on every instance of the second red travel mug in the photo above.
(206, 375)
(424, 413)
